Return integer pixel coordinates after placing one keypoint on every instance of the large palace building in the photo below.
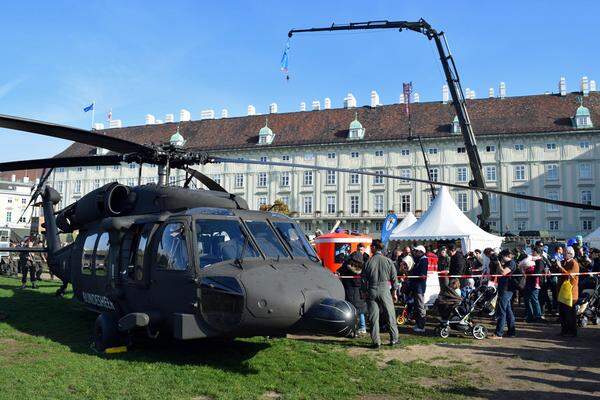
(543, 145)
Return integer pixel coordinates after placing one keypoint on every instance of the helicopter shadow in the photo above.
(63, 320)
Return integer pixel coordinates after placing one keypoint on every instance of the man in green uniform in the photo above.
(380, 283)
(26, 265)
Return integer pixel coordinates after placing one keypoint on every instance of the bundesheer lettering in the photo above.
(97, 300)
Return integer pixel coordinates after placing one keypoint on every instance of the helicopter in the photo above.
(187, 263)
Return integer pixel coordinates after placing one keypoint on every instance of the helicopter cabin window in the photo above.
(295, 239)
(222, 240)
(266, 239)
(172, 251)
(134, 244)
(102, 259)
(87, 253)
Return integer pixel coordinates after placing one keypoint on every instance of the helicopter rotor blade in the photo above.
(205, 180)
(83, 161)
(74, 134)
(452, 185)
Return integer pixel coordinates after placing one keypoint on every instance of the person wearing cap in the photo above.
(418, 284)
(568, 320)
(380, 284)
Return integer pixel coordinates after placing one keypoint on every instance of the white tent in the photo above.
(593, 239)
(405, 223)
(444, 221)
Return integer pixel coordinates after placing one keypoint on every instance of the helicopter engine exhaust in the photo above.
(110, 200)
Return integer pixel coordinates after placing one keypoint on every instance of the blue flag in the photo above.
(388, 226)
(285, 57)
(89, 108)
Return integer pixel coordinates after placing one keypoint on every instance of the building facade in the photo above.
(543, 145)
(14, 197)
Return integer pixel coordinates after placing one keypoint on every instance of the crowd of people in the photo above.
(546, 284)
(25, 263)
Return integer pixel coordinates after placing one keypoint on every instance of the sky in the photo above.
(157, 57)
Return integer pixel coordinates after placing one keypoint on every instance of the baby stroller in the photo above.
(455, 313)
(587, 307)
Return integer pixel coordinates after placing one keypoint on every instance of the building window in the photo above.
(584, 145)
(461, 174)
(262, 201)
(519, 147)
(490, 173)
(405, 173)
(284, 179)
(307, 226)
(490, 149)
(354, 179)
(116, 167)
(285, 158)
(354, 205)
(461, 150)
(378, 153)
(378, 200)
(549, 206)
(264, 159)
(330, 225)
(432, 150)
(331, 178)
(285, 200)
(586, 197)
(60, 169)
(355, 227)
(586, 224)
(309, 156)
(217, 179)
(172, 180)
(553, 224)
(404, 152)
(331, 202)
(331, 156)
(493, 202)
(9, 216)
(462, 201)
(354, 154)
(434, 173)
(24, 200)
(378, 226)
(520, 204)
(307, 204)
(585, 171)
(405, 203)
(98, 167)
(519, 172)
(239, 180)
(308, 178)
(262, 179)
(493, 224)
(96, 184)
(79, 169)
(521, 225)
(551, 172)
(378, 178)
(77, 186)
(131, 165)
(550, 146)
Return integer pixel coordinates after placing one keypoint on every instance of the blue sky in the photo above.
(142, 57)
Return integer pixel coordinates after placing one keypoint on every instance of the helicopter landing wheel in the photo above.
(106, 334)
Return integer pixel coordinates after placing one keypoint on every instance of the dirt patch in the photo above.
(9, 347)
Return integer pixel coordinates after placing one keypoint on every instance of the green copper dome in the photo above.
(355, 124)
(582, 112)
(177, 139)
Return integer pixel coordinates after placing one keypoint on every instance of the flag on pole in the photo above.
(285, 59)
(88, 108)
(407, 90)
(109, 115)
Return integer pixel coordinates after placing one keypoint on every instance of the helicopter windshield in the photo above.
(222, 240)
(267, 239)
(295, 239)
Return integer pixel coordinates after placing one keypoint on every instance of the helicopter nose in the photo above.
(329, 316)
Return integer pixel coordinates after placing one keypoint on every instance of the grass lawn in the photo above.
(45, 353)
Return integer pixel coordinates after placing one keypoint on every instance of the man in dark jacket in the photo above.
(26, 265)
(457, 261)
(380, 282)
(418, 284)
(350, 270)
(504, 312)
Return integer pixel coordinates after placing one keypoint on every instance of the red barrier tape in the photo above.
(479, 276)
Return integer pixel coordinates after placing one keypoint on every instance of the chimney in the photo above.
(562, 86)
(251, 110)
(150, 120)
(98, 126)
(469, 94)
(401, 98)
(445, 94)
(302, 106)
(114, 123)
(13, 178)
(273, 108)
(502, 90)
(224, 113)
(207, 114)
(415, 97)
(585, 87)
(491, 92)
(184, 115)
(25, 179)
(316, 105)
(374, 99)
(592, 85)
(350, 101)
(169, 118)
(327, 102)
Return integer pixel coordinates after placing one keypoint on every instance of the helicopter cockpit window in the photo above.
(267, 239)
(222, 240)
(172, 251)
(295, 239)
(101, 260)
(87, 253)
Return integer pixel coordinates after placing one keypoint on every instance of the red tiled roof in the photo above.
(511, 115)
(33, 174)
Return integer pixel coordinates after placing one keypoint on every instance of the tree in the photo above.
(278, 206)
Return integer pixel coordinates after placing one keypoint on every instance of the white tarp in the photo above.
(443, 220)
(405, 223)
(593, 239)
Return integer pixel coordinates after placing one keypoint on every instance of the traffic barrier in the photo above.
(481, 275)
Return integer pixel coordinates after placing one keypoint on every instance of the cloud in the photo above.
(7, 87)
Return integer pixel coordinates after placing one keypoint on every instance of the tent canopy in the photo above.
(443, 220)
(593, 239)
(405, 223)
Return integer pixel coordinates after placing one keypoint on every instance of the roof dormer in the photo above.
(582, 118)
(265, 135)
(356, 130)
(456, 125)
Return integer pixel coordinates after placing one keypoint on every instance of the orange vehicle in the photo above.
(334, 247)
